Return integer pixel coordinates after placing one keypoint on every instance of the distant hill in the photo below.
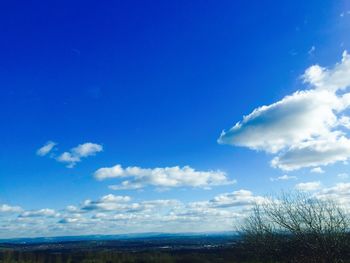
(131, 236)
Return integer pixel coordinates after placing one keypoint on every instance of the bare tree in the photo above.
(298, 226)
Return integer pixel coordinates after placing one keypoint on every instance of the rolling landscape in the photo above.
(148, 247)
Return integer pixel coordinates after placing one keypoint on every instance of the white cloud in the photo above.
(223, 207)
(109, 172)
(321, 151)
(110, 198)
(335, 79)
(317, 170)
(77, 153)
(86, 149)
(162, 177)
(128, 185)
(309, 186)
(107, 202)
(237, 198)
(339, 193)
(113, 214)
(304, 129)
(4, 208)
(301, 116)
(46, 149)
(46, 212)
(70, 220)
(284, 177)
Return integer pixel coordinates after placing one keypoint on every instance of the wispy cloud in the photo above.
(46, 149)
(312, 50)
(317, 170)
(284, 177)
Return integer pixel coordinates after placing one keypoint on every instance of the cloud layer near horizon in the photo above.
(115, 214)
(112, 214)
(305, 129)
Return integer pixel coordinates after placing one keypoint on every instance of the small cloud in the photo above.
(237, 198)
(45, 212)
(46, 149)
(312, 50)
(72, 209)
(4, 208)
(284, 178)
(317, 170)
(70, 220)
(309, 186)
(77, 153)
(127, 185)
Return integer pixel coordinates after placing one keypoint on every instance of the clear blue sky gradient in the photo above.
(154, 82)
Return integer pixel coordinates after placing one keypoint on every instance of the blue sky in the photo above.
(130, 99)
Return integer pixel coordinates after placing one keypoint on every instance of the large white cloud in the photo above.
(162, 177)
(301, 116)
(305, 129)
